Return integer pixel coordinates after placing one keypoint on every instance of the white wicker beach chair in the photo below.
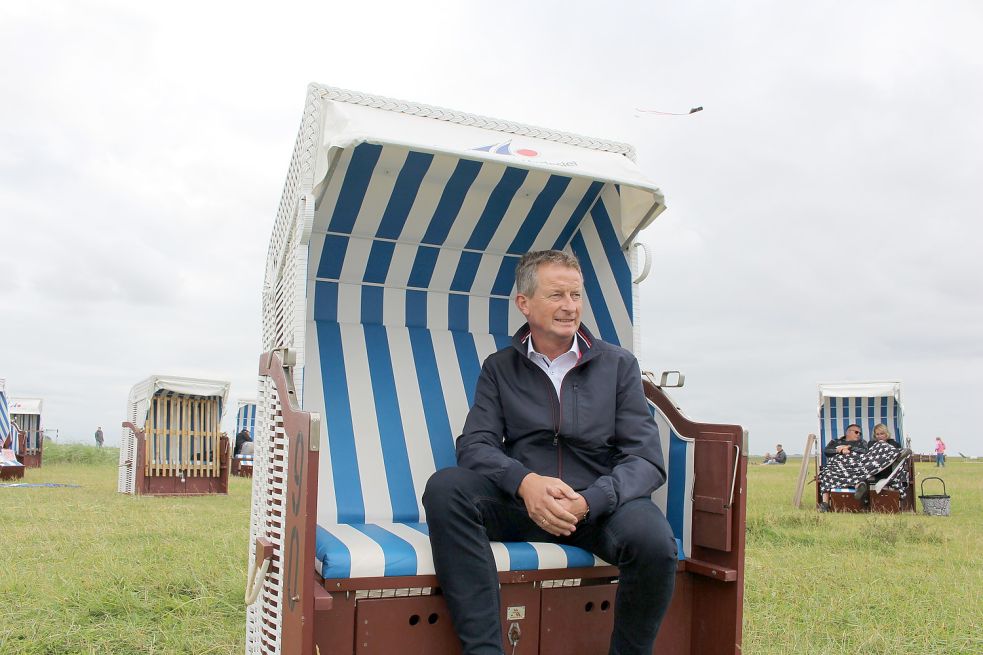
(172, 442)
(388, 282)
(25, 419)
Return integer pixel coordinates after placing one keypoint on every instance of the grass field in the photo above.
(87, 570)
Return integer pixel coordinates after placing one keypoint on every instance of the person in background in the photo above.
(780, 456)
(838, 451)
(241, 438)
(882, 462)
(99, 438)
(939, 452)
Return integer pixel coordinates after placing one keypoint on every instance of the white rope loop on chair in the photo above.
(254, 582)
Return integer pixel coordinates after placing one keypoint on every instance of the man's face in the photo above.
(553, 309)
(853, 434)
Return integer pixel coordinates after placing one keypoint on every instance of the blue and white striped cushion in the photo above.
(411, 270)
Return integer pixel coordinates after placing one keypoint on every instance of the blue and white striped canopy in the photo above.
(4, 413)
(864, 403)
(417, 227)
(246, 417)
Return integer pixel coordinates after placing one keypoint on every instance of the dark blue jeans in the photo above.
(466, 510)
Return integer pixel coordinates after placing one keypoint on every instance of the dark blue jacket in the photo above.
(598, 437)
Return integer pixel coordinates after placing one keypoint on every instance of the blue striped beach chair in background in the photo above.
(5, 428)
(10, 467)
(246, 416)
(242, 463)
(389, 280)
(866, 404)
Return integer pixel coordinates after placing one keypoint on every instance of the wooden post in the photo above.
(186, 431)
(803, 471)
(146, 443)
(155, 469)
(213, 412)
(196, 432)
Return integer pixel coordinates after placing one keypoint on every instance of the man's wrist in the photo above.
(583, 517)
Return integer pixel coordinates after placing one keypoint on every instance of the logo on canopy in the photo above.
(506, 149)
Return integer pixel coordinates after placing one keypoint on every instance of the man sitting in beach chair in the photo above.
(559, 446)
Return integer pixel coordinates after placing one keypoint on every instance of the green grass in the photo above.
(88, 570)
(863, 583)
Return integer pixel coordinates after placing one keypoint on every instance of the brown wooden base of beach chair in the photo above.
(182, 483)
(551, 617)
(887, 502)
(31, 460)
(844, 501)
(11, 472)
(241, 471)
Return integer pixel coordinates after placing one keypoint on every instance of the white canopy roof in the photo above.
(188, 386)
(349, 119)
(859, 390)
(25, 406)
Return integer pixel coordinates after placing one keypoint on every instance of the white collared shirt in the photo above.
(559, 367)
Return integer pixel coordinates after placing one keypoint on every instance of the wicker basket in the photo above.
(935, 505)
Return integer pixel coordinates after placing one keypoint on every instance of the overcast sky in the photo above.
(824, 209)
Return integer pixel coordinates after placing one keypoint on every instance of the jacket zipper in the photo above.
(557, 409)
(558, 416)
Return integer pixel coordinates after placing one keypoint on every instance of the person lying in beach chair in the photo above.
(841, 449)
(860, 468)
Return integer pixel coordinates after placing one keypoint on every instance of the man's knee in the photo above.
(647, 535)
(446, 486)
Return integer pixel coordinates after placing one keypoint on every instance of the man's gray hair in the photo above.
(525, 273)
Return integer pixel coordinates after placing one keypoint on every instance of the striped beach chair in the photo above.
(242, 463)
(25, 421)
(866, 404)
(172, 442)
(10, 467)
(389, 280)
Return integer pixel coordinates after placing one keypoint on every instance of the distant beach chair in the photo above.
(172, 441)
(25, 420)
(242, 462)
(10, 467)
(866, 404)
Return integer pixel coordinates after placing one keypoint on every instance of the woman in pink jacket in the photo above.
(939, 452)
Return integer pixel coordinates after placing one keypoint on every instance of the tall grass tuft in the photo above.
(74, 453)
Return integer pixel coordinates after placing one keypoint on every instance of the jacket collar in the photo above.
(585, 342)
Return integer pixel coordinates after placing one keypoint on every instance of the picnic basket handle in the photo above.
(932, 477)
